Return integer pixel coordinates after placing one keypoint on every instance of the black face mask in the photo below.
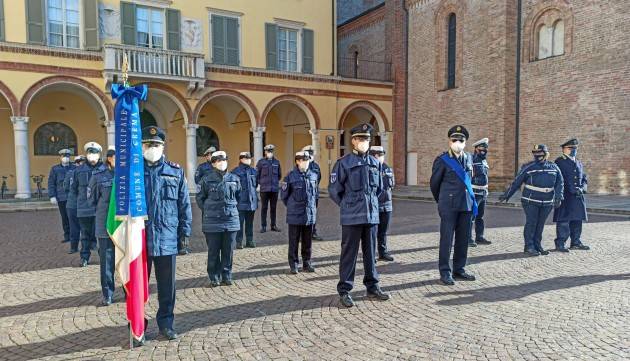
(539, 158)
(482, 154)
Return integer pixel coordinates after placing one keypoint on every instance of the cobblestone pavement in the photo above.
(556, 307)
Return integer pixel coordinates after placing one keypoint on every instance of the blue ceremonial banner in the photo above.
(463, 176)
(129, 173)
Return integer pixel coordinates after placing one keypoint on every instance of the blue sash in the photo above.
(463, 176)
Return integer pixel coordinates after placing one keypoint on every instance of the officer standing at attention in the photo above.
(570, 215)
(56, 192)
(218, 198)
(543, 190)
(205, 167)
(314, 167)
(452, 190)
(71, 205)
(269, 175)
(169, 221)
(99, 191)
(85, 209)
(355, 184)
(480, 188)
(299, 195)
(248, 200)
(385, 204)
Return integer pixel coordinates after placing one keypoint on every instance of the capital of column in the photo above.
(20, 123)
(191, 129)
(258, 131)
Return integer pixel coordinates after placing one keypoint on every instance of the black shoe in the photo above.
(580, 246)
(308, 268)
(169, 333)
(447, 280)
(250, 245)
(483, 241)
(263, 229)
(84, 263)
(464, 276)
(239, 246)
(226, 282)
(562, 249)
(65, 241)
(543, 252)
(275, 229)
(294, 270)
(214, 284)
(386, 257)
(138, 343)
(106, 301)
(183, 251)
(472, 244)
(532, 252)
(346, 300)
(73, 251)
(378, 295)
(317, 237)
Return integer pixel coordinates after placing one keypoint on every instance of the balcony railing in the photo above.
(155, 64)
(364, 69)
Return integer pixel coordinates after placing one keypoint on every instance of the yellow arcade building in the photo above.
(237, 74)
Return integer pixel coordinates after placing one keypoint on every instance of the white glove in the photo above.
(258, 188)
(53, 200)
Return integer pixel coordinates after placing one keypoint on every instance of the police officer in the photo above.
(570, 215)
(218, 198)
(168, 224)
(299, 195)
(385, 204)
(543, 190)
(206, 166)
(56, 192)
(314, 167)
(355, 184)
(480, 188)
(85, 209)
(99, 191)
(71, 205)
(268, 177)
(452, 190)
(248, 200)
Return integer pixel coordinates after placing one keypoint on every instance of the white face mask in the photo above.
(93, 158)
(303, 165)
(458, 147)
(65, 160)
(221, 165)
(269, 155)
(246, 161)
(381, 159)
(153, 154)
(363, 146)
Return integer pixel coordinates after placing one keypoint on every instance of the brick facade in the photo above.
(583, 93)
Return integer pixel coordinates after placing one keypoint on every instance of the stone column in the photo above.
(22, 163)
(111, 133)
(385, 144)
(191, 155)
(316, 145)
(258, 143)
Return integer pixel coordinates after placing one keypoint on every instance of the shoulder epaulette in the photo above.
(173, 164)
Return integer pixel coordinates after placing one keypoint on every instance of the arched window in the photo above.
(206, 137)
(548, 31)
(52, 137)
(451, 51)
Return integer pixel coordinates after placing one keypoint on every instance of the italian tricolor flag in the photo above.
(128, 235)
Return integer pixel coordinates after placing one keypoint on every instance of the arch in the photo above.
(374, 109)
(99, 96)
(47, 134)
(241, 99)
(175, 96)
(307, 108)
(11, 98)
(547, 12)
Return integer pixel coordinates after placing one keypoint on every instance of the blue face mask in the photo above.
(573, 152)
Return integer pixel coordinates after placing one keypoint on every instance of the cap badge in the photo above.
(152, 131)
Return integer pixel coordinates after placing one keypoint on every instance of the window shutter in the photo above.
(271, 45)
(307, 51)
(231, 41)
(35, 28)
(173, 29)
(218, 39)
(1, 20)
(128, 23)
(90, 24)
